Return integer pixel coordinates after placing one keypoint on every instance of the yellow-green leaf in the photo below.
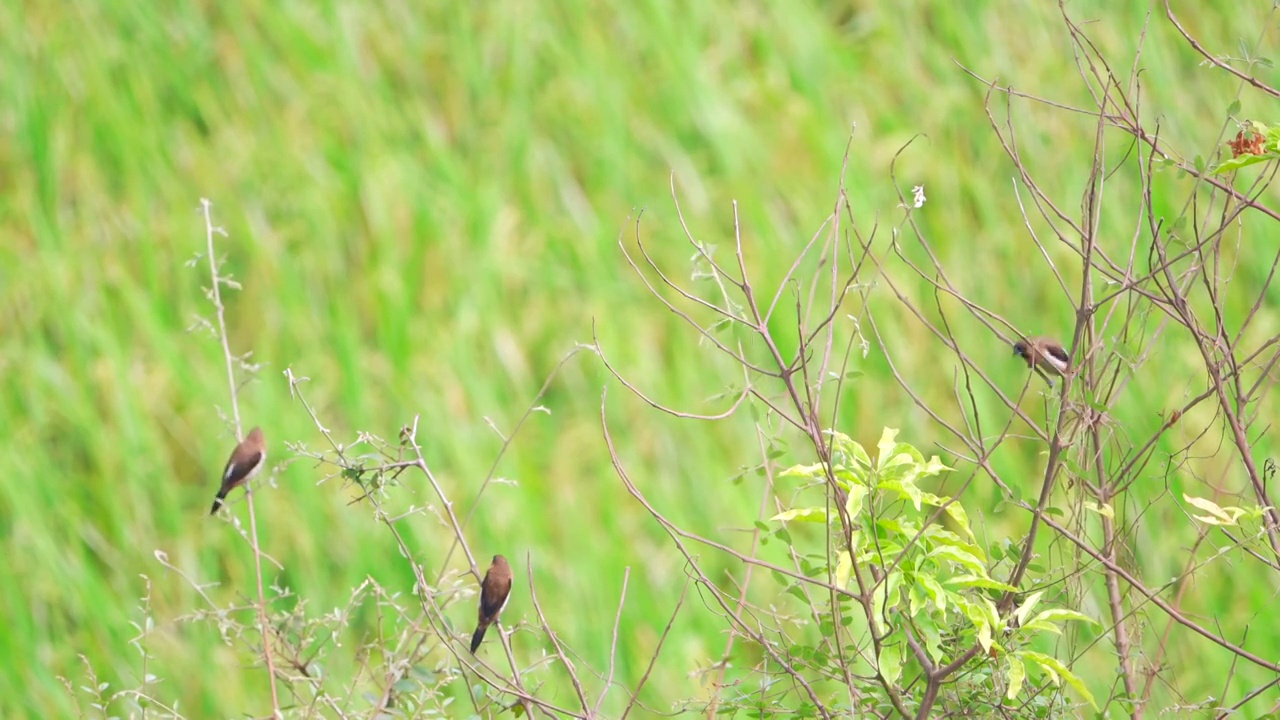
(859, 455)
(1058, 614)
(957, 513)
(809, 472)
(1017, 674)
(844, 569)
(885, 595)
(1044, 626)
(936, 593)
(1055, 669)
(891, 663)
(907, 490)
(813, 514)
(1104, 509)
(982, 582)
(1243, 161)
(1027, 606)
(963, 557)
(1217, 515)
(854, 502)
(979, 616)
(916, 599)
(935, 466)
(884, 448)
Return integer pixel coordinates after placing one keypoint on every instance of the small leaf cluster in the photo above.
(924, 578)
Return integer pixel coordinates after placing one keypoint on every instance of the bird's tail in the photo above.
(217, 502)
(478, 636)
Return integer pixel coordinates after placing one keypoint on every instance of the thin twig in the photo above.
(216, 297)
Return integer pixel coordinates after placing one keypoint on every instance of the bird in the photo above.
(495, 590)
(1042, 354)
(245, 462)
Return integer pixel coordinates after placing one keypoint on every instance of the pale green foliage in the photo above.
(934, 576)
(1219, 515)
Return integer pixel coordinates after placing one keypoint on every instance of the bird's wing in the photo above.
(493, 597)
(234, 468)
(1057, 352)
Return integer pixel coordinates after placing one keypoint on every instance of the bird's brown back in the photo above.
(494, 589)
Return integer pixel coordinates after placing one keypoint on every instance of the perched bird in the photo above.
(495, 589)
(1043, 354)
(245, 462)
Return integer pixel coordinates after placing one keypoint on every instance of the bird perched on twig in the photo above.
(1044, 355)
(495, 590)
(245, 462)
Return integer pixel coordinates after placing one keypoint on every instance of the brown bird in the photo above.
(245, 462)
(495, 590)
(1043, 354)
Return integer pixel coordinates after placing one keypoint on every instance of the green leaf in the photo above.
(879, 552)
(956, 511)
(1236, 163)
(916, 599)
(853, 504)
(1217, 515)
(885, 595)
(934, 467)
(936, 593)
(932, 639)
(1063, 614)
(1234, 107)
(1017, 674)
(1026, 607)
(1055, 668)
(884, 448)
(899, 527)
(937, 535)
(1036, 625)
(1105, 510)
(982, 582)
(890, 664)
(808, 472)
(844, 569)
(1271, 135)
(981, 622)
(905, 490)
(811, 514)
(859, 456)
(963, 557)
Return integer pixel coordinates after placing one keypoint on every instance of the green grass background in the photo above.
(423, 202)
